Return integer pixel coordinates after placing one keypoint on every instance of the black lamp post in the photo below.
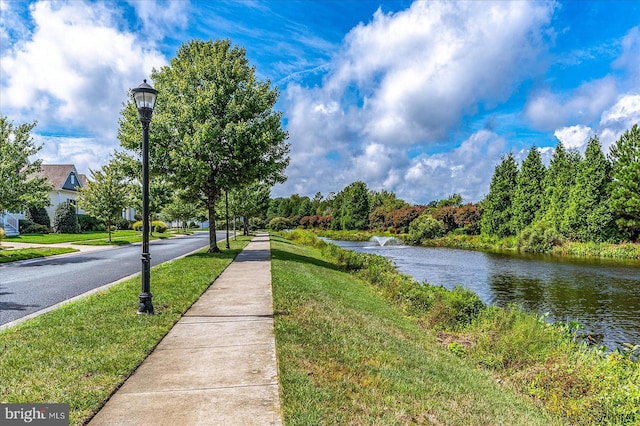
(145, 97)
(226, 205)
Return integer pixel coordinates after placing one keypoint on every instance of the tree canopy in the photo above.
(20, 189)
(214, 127)
(625, 188)
(497, 215)
(105, 196)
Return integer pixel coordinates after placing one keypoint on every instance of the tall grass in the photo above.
(548, 362)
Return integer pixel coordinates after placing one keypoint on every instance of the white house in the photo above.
(66, 182)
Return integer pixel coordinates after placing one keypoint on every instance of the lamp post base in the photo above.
(145, 306)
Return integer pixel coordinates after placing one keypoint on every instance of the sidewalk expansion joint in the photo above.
(261, 385)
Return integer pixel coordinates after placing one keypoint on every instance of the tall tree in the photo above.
(587, 217)
(249, 201)
(105, 196)
(558, 180)
(181, 209)
(625, 187)
(497, 215)
(20, 189)
(529, 193)
(214, 127)
(351, 207)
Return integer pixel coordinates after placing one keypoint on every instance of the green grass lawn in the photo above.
(81, 352)
(346, 355)
(68, 238)
(31, 253)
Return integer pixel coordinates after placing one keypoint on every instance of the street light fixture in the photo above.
(145, 98)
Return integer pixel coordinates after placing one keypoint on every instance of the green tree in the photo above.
(20, 188)
(454, 200)
(214, 126)
(182, 210)
(587, 217)
(249, 201)
(388, 200)
(625, 187)
(497, 214)
(105, 196)
(558, 180)
(351, 207)
(529, 193)
(65, 219)
(38, 215)
(425, 227)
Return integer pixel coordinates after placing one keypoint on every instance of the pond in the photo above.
(603, 295)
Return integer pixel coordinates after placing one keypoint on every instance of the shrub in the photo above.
(65, 219)
(123, 224)
(88, 223)
(193, 225)
(424, 228)
(539, 237)
(36, 229)
(23, 224)
(2, 233)
(38, 215)
(159, 226)
(278, 224)
(137, 226)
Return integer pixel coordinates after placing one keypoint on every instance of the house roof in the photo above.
(57, 174)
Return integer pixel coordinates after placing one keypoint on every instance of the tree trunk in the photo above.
(213, 244)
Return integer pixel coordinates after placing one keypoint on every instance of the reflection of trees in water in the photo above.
(602, 295)
(602, 303)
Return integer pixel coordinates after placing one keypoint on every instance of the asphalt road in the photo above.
(30, 286)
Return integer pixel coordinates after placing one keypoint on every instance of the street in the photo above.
(29, 286)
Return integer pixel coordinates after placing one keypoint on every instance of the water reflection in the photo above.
(602, 295)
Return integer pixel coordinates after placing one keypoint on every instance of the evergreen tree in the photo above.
(65, 219)
(587, 217)
(38, 215)
(497, 216)
(625, 187)
(557, 183)
(529, 193)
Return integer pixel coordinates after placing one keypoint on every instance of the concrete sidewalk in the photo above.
(217, 366)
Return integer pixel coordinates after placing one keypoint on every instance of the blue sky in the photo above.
(420, 98)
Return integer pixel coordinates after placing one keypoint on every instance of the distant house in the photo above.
(66, 182)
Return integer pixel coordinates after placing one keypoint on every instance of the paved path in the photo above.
(217, 366)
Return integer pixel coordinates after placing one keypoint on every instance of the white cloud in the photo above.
(161, 16)
(407, 79)
(574, 136)
(619, 118)
(629, 60)
(547, 110)
(465, 170)
(73, 72)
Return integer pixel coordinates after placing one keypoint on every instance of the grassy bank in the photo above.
(348, 356)
(80, 353)
(546, 363)
(14, 255)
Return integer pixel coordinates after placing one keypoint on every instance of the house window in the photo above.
(73, 179)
